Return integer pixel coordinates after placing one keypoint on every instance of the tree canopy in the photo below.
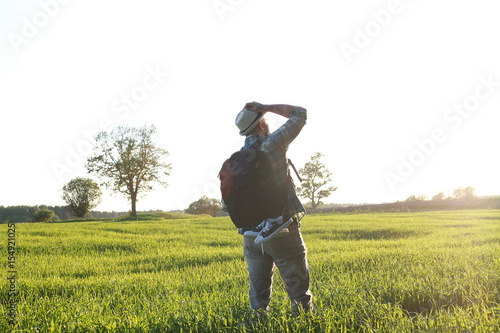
(81, 195)
(205, 205)
(467, 192)
(128, 161)
(315, 180)
(43, 215)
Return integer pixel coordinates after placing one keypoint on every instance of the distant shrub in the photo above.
(421, 197)
(82, 195)
(439, 196)
(43, 215)
(411, 198)
(205, 205)
(467, 192)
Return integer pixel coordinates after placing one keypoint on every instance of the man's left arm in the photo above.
(284, 110)
(284, 135)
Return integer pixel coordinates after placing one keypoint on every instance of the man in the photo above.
(287, 251)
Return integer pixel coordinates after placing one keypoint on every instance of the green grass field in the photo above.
(398, 272)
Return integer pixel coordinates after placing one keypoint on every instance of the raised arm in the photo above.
(284, 110)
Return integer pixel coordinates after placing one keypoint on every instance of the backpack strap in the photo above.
(256, 145)
(293, 167)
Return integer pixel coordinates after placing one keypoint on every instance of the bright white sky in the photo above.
(66, 65)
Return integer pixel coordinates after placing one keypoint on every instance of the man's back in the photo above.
(275, 146)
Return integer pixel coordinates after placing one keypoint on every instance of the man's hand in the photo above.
(257, 107)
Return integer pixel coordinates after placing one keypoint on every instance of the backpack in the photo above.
(248, 188)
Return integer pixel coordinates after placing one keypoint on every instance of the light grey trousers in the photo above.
(289, 254)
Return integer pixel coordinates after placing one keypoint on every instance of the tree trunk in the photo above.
(133, 198)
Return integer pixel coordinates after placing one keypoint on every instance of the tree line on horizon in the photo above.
(25, 213)
(127, 160)
(468, 192)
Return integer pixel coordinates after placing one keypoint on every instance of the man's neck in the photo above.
(258, 133)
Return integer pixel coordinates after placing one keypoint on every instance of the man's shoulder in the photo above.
(251, 140)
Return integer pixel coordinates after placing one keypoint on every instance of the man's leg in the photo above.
(290, 255)
(260, 271)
